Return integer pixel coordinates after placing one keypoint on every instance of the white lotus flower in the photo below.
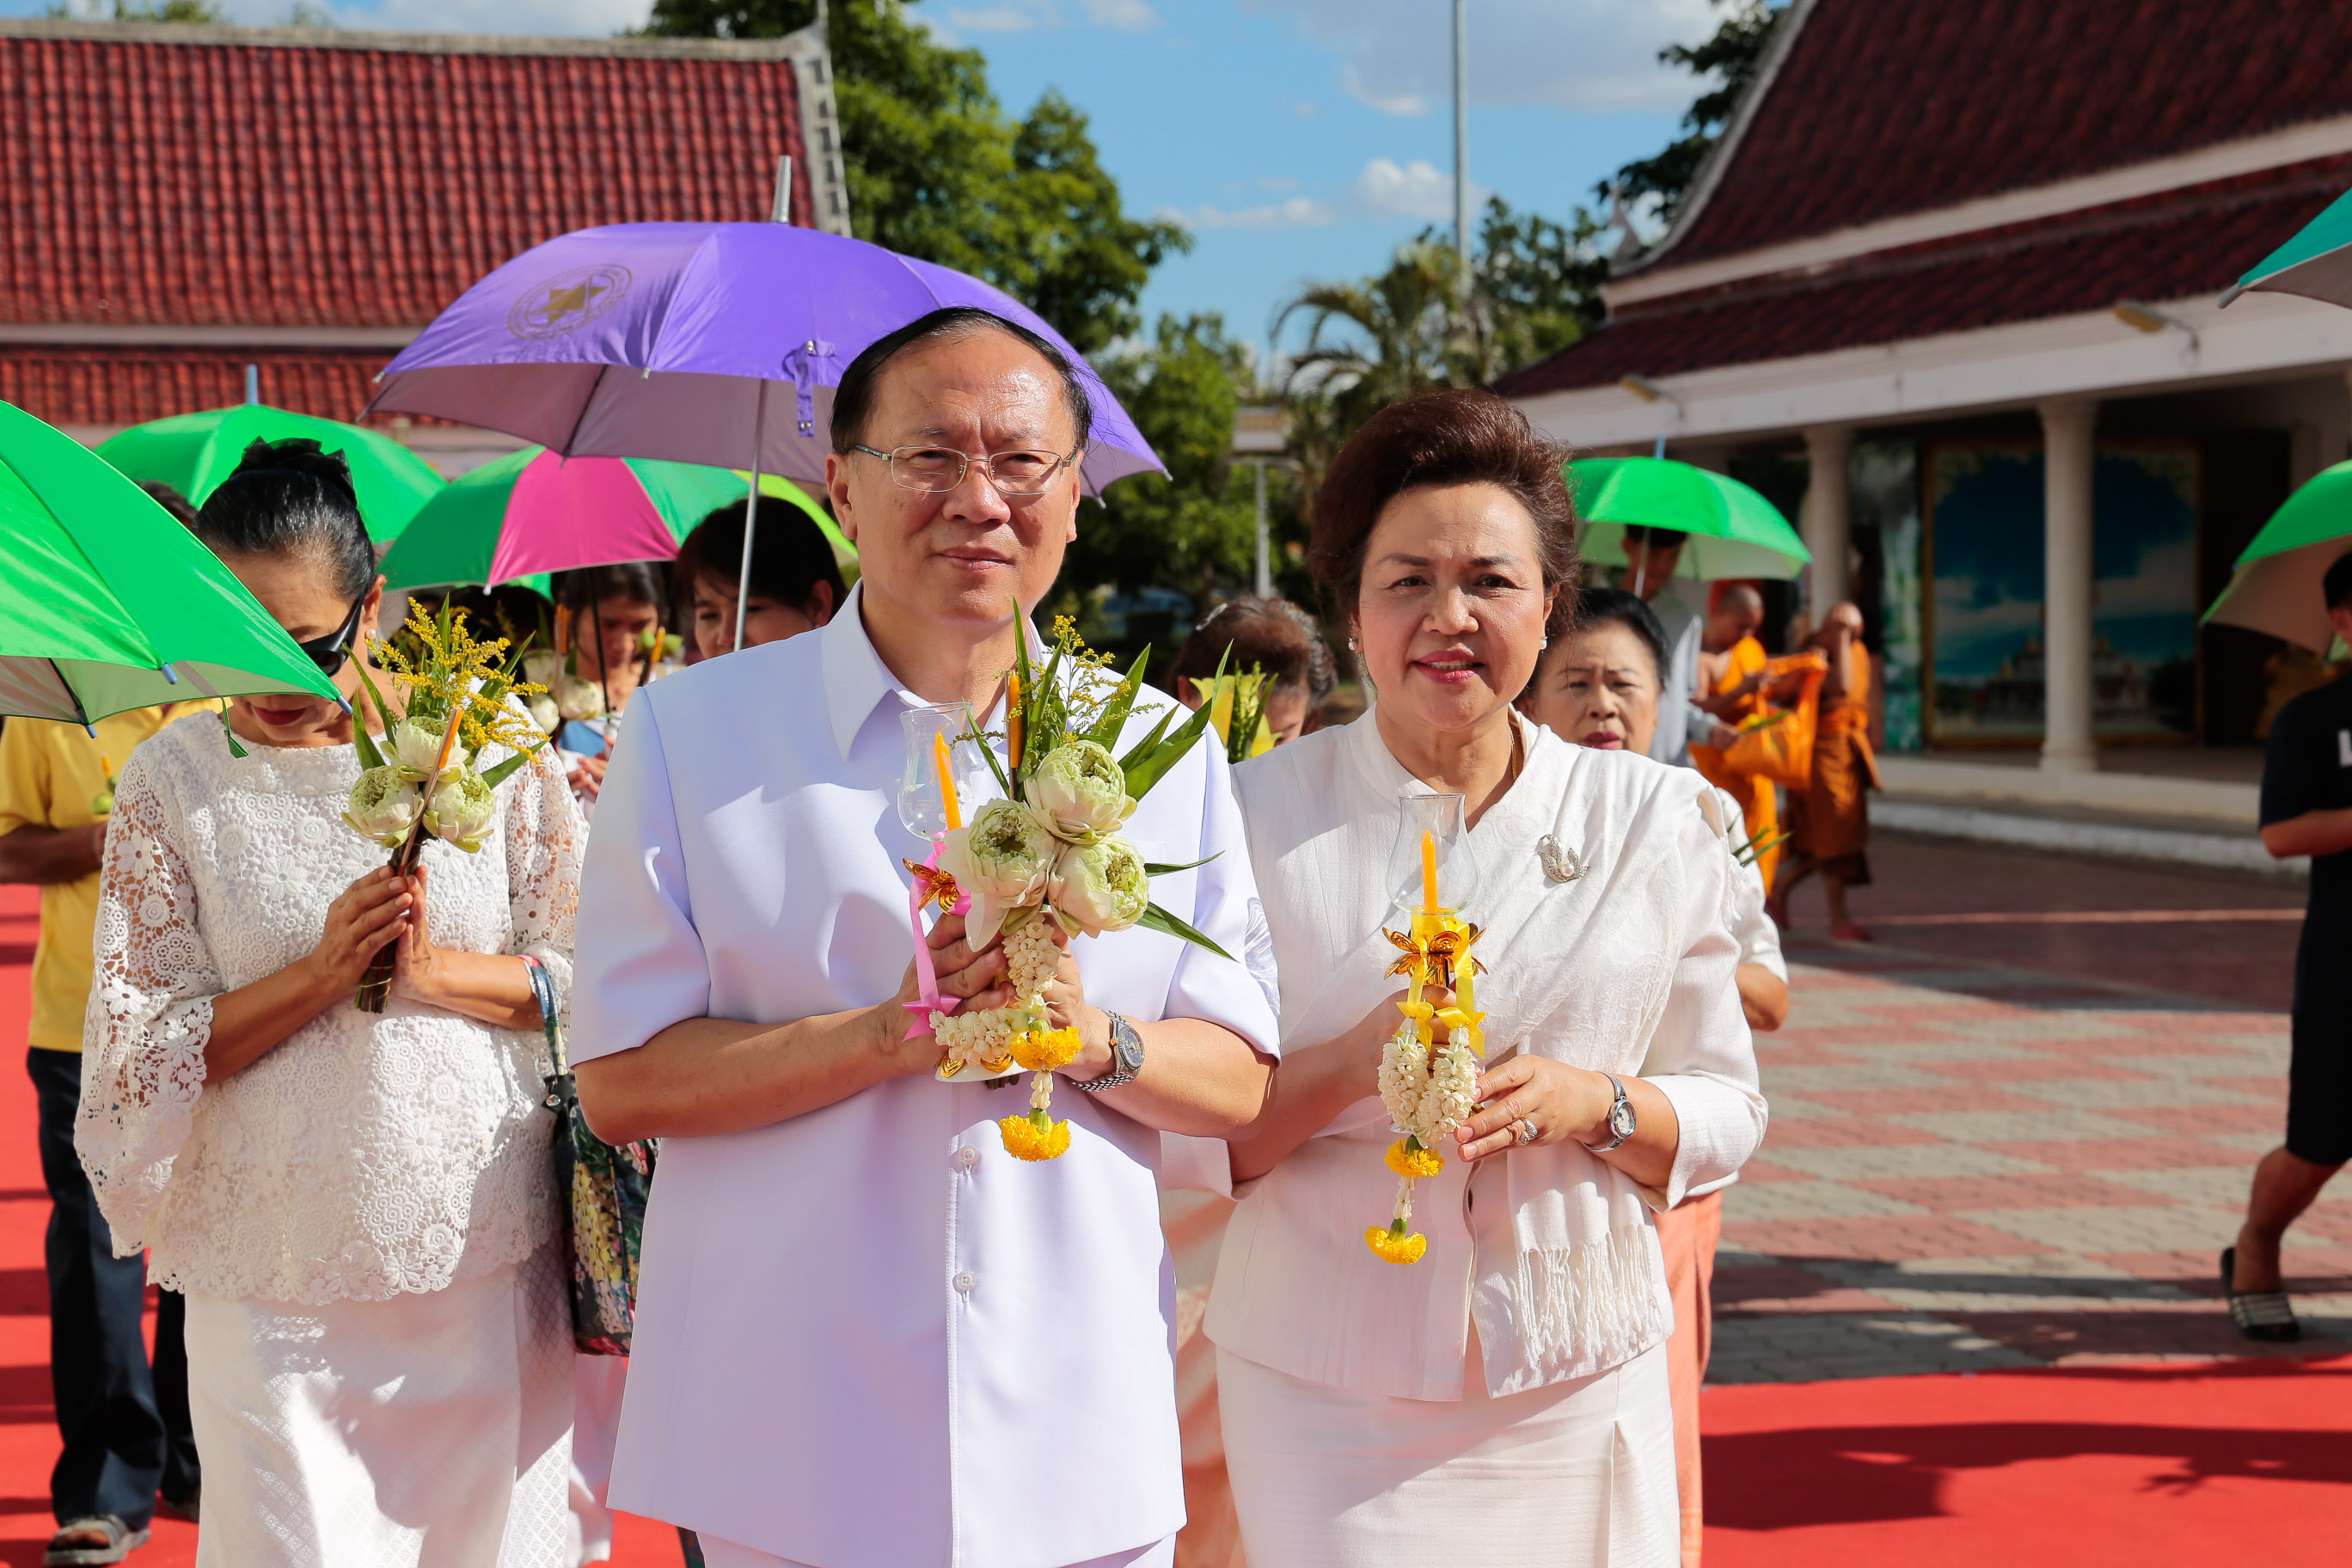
(577, 697)
(462, 810)
(543, 713)
(540, 667)
(1098, 887)
(417, 747)
(1080, 791)
(384, 805)
(1001, 860)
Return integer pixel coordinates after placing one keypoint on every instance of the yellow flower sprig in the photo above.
(442, 670)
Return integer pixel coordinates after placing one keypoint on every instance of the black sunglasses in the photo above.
(328, 652)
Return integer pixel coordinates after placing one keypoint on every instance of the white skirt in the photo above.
(428, 1431)
(1576, 1475)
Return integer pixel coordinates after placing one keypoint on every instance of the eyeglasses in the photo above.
(936, 469)
(328, 652)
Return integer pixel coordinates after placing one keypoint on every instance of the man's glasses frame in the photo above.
(328, 652)
(902, 474)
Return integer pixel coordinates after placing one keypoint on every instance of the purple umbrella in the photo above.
(665, 341)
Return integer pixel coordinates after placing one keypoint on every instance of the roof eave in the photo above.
(1726, 146)
(797, 46)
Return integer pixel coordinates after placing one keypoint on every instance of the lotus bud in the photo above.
(1099, 887)
(1001, 860)
(417, 747)
(1080, 790)
(384, 805)
(462, 811)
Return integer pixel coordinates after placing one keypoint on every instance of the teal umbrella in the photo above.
(107, 603)
(2316, 263)
(1735, 532)
(532, 512)
(2275, 586)
(193, 453)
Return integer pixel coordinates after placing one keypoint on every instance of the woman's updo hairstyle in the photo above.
(288, 498)
(1577, 611)
(1433, 439)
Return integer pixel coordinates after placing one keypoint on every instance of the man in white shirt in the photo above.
(866, 1335)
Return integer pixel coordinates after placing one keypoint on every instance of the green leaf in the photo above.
(1160, 920)
(1142, 749)
(498, 773)
(1105, 732)
(1150, 769)
(365, 743)
(1152, 869)
(383, 714)
(988, 754)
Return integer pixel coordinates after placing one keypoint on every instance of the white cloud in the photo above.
(992, 19)
(1127, 16)
(1386, 188)
(1571, 54)
(1352, 82)
(1298, 212)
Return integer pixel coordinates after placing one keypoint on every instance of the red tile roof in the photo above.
(226, 177)
(2171, 247)
(1880, 110)
(75, 384)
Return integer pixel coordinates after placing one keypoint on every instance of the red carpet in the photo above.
(28, 1433)
(2241, 1462)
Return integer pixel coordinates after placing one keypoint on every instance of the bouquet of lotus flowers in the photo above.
(1430, 1066)
(1049, 853)
(421, 778)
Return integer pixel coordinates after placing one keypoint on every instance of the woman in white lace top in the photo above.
(359, 1206)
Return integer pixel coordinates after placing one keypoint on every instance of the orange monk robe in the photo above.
(1829, 820)
(1759, 802)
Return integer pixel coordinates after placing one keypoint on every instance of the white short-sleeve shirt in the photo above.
(868, 1335)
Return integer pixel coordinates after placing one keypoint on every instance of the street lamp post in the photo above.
(1260, 435)
(1461, 143)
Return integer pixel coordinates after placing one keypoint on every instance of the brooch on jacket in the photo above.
(1561, 863)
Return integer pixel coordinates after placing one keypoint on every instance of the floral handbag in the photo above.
(603, 1190)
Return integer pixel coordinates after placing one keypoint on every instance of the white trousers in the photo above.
(1577, 1475)
(727, 1554)
(428, 1431)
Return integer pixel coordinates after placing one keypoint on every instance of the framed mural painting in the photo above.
(1984, 555)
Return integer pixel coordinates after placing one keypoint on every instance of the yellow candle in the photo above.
(946, 784)
(1429, 870)
(1012, 722)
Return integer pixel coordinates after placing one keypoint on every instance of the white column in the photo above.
(2066, 596)
(1827, 447)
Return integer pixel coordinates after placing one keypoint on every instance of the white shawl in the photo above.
(1585, 972)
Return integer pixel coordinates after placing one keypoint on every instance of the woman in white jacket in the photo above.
(1504, 1397)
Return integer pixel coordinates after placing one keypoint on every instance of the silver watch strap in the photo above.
(1618, 1139)
(1120, 1073)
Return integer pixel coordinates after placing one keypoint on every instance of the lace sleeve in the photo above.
(150, 1015)
(543, 847)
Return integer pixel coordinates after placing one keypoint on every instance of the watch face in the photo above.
(1130, 1045)
(1620, 1119)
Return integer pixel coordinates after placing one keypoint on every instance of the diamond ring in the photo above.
(1527, 1131)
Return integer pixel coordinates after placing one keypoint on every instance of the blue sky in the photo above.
(1296, 139)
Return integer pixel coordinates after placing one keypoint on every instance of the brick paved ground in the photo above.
(1975, 1164)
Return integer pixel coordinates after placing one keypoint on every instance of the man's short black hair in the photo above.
(1658, 538)
(853, 400)
(2337, 585)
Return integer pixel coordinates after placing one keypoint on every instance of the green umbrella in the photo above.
(194, 453)
(532, 512)
(107, 603)
(1735, 532)
(2316, 263)
(2276, 587)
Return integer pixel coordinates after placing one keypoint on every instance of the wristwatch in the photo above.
(1126, 1056)
(1620, 1120)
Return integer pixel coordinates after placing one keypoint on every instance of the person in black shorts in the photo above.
(2306, 810)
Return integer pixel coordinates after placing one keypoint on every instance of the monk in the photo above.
(1731, 679)
(1829, 820)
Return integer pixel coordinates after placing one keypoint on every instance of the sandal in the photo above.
(1850, 931)
(2263, 1316)
(121, 1540)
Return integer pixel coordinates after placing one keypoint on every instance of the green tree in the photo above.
(938, 170)
(1194, 530)
(1731, 55)
(196, 11)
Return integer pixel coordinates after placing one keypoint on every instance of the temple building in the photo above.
(1949, 284)
(179, 204)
